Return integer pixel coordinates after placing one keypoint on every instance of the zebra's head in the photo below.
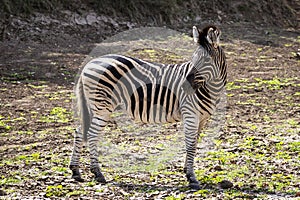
(206, 61)
(209, 35)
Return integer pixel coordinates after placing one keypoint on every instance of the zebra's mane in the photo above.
(202, 36)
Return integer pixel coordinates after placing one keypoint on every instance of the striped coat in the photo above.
(151, 93)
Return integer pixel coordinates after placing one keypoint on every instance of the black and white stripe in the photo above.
(151, 93)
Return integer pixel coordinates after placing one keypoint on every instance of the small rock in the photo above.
(50, 183)
(225, 184)
(80, 20)
(2, 193)
(69, 180)
(198, 18)
(218, 168)
(91, 18)
(298, 54)
(258, 89)
(43, 178)
(42, 194)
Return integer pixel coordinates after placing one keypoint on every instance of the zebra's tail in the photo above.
(83, 111)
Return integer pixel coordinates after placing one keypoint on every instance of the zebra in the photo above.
(151, 93)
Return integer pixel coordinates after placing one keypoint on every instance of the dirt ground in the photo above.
(257, 149)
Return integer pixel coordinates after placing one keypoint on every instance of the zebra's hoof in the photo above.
(194, 186)
(100, 179)
(98, 175)
(78, 178)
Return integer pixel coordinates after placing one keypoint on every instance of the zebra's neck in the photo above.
(208, 95)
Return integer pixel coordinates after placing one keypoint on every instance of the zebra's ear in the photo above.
(196, 34)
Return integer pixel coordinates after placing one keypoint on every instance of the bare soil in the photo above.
(36, 121)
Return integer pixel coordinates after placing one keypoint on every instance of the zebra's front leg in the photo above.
(189, 164)
(74, 163)
(191, 139)
(93, 140)
(191, 127)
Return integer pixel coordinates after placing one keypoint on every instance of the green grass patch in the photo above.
(56, 191)
(3, 124)
(275, 83)
(57, 114)
(10, 180)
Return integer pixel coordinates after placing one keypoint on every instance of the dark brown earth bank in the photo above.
(254, 142)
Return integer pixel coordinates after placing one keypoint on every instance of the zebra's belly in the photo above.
(156, 115)
(145, 112)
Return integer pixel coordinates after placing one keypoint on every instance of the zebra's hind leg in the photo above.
(74, 163)
(97, 125)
